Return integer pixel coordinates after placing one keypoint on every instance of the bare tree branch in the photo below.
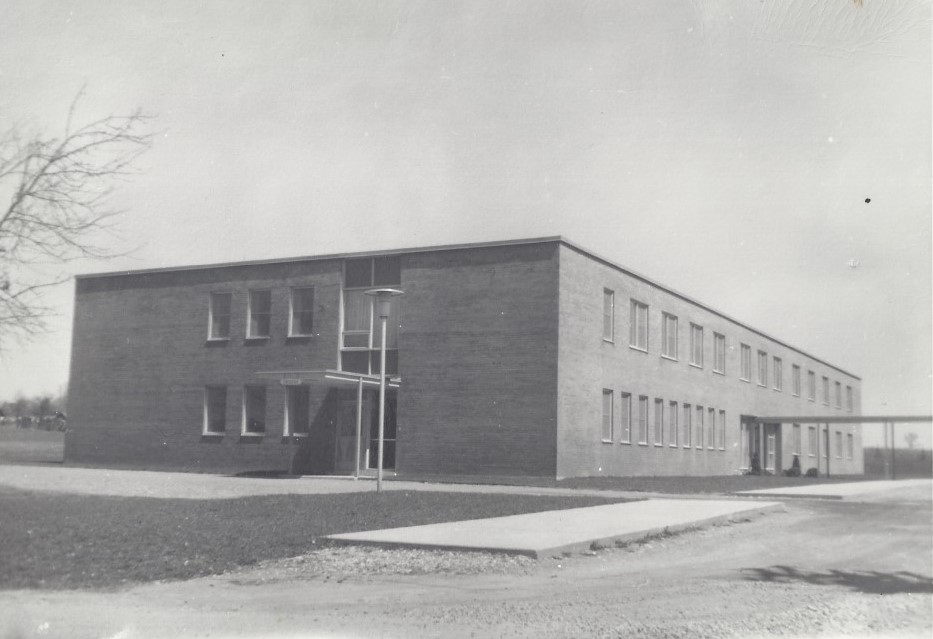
(55, 193)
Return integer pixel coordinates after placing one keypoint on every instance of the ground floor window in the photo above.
(607, 416)
(672, 424)
(625, 411)
(642, 420)
(687, 427)
(215, 410)
(297, 410)
(722, 430)
(811, 441)
(659, 422)
(699, 427)
(254, 410)
(772, 441)
(838, 445)
(850, 446)
(711, 430)
(797, 439)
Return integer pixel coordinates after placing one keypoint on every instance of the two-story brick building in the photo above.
(529, 357)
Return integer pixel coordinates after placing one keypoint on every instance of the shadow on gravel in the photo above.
(871, 582)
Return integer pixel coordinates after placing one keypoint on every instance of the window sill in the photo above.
(301, 336)
(723, 373)
(669, 358)
(608, 341)
(760, 385)
(688, 446)
(657, 445)
(626, 442)
(777, 390)
(607, 441)
(212, 436)
(258, 338)
(642, 443)
(672, 445)
(638, 348)
(747, 381)
(700, 366)
(251, 438)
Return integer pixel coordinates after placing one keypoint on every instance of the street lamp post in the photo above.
(383, 310)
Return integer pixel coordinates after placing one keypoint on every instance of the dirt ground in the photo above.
(822, 568)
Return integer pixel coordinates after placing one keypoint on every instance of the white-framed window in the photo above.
(219, 315)
(838, 444)
(361, 334)
(795, 380)
(825, 390)
(762, 368)
(797, 442)
(771, 453)
(719, 353)
(215, 410)
(850, 446)
(607, 416)
(838, 395)
(699, 427)
(643, 420)
(638, 335)
(260, 314)
(811, 386)
(812, 441)
(609, 315)
(746, 373)
(722, 430)
(778, 371)
(849, 403)
(696, 345)
(669, 336)
(687, 428)
(301, 311)
(658, 422)
(625, 413)
(297, 411)
(254, 410)
(711, 429)
(672, 432)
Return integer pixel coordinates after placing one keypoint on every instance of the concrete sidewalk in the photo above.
(554, 532)
(857, 491)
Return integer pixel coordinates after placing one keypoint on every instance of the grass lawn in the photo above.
(30, 445)
(67, 541)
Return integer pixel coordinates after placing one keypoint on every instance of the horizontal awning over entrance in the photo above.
(328, 376)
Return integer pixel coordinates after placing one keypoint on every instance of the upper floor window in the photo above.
(778, 374)
(811, 386)
(838, 395)
(762, 368)
(638, 337)
(746, 372)
(826, 390)
(301, 318)
(609, 306)
(849, 402)
(220, 315)
(669, 336)
(719, 353)
(260, 313)
(361, 328)
(696, 345)
(368, 272)
(795, 380)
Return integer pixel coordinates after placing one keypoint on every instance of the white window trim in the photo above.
(633, 332)
(665, 335)
(210, 316)
(658, 423)
(811, 388)
(291, 310)
(673, 424)
(762, 372)
(622, 432)
(711, 436)
(647, 429)
(243, 431)
(810, 448)
(612, 315)
(722, 341)
(743, 349)
(721, 429)
(205, 426)
(249, 313)
(688, 425)
(777, 372)
(287, 423)
(698, 424)
(795, 382)
(838, 392)
(611, 394)
(825, 390)
(693, 346)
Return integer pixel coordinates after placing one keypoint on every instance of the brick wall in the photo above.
(141, 359)
(588, 364)
(478, 357)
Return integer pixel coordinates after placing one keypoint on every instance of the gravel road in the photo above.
(823, 568)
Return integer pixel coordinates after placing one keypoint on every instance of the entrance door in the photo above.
(345, 441)
(389, 433)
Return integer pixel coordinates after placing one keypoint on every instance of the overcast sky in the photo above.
(726, 149)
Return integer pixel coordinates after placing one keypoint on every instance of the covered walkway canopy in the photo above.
(887, 420)
(335, 377)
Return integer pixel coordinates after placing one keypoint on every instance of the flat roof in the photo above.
(473, 245)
